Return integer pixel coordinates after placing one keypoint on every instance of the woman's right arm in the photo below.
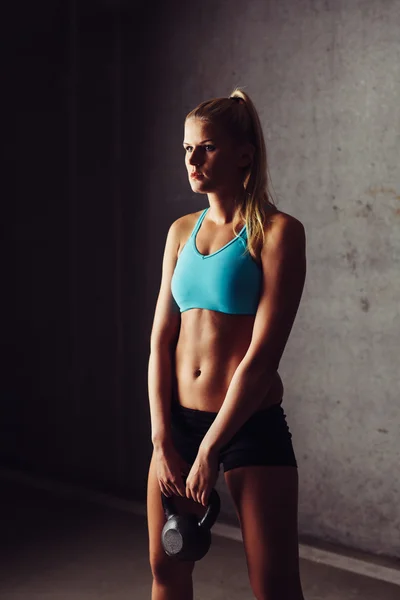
(164, 335)
(160, 380)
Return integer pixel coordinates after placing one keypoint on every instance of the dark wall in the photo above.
(72, 262)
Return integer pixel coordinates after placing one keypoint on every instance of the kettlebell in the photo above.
(184, 537)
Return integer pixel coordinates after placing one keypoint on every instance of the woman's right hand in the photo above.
(170, 467)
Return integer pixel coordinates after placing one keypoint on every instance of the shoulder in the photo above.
(283, 232)
(182, 223)
(186, 223)
(181, 228)
(282, 221)
(187, 220)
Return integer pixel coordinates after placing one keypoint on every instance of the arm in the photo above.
(284, 269)
(159, 385)
(164, 334)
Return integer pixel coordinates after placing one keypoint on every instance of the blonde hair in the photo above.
(241, 121)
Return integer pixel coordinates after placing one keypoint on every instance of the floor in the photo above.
(56, 547)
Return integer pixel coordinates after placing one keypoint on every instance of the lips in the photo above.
(196, 175)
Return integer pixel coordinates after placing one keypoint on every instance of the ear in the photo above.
(246, 155)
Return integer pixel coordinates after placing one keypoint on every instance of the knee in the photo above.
(162, 570)
(168, 570)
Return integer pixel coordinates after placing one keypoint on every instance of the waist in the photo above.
(208, 397)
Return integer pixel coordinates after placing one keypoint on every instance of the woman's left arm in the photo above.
(283, 260)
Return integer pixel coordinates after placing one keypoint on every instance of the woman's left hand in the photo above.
(203, 476)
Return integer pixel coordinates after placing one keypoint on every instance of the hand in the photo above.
(202, 476)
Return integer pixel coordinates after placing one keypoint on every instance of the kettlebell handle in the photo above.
(213, 508)
(212, 511)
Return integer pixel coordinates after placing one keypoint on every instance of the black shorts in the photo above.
(264, 439)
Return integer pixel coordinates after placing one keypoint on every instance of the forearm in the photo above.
(159, 390)
(246, 392)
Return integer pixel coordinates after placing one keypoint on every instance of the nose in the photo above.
(195, 157)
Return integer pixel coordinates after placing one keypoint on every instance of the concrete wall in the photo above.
(325, 77)
(96, 166)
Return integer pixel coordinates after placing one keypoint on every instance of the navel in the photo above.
(197, 373)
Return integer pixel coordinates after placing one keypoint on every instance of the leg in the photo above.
(172, 580)
(266, 502)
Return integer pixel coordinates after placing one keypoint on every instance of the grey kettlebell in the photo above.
(184, 537)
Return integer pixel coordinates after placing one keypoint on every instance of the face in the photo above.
(219, 160)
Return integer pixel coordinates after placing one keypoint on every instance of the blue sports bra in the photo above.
(227, 280)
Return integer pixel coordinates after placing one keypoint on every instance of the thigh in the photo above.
(265, 439)
(266, 502)
(163, 566)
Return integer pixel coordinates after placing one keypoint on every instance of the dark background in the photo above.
(72, 262)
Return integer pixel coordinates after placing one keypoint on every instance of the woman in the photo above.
(232, 279)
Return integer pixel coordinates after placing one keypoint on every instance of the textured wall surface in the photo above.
(325, 77)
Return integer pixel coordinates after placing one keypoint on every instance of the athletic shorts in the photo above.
(264, 439)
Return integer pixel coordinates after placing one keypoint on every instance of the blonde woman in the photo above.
(232, 279)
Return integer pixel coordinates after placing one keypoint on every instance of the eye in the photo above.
(206, 146)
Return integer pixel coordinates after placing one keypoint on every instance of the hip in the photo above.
(265, 438)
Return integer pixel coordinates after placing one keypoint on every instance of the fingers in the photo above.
(172, 489)
(165, 490)
(196, 496)
(176, 485)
